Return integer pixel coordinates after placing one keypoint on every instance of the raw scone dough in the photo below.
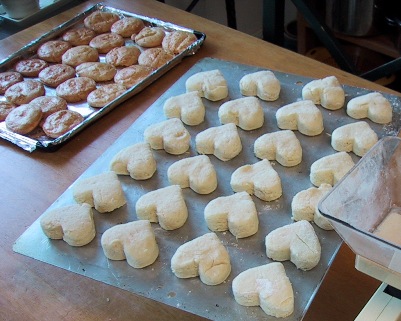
(209, 84)
(301, 115)
(356, 137)
(103, 192)
(188, 107)
(73, 223)
(221, 141)
(262, 84)
(330, 169)
(296, 242)
(205, 256)
(133, 241)
(136, 160)
(266, 286)
(236, 213)
(196, 172)
(247, 113)
(165, 206)
(374, 106)
(327, 92)
(282, 146)
(259, 179)
(170, 135)
(304, 206)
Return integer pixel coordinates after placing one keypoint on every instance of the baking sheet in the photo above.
(37, 138)
(157, 281)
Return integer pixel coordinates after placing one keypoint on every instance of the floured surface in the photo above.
(157, 281)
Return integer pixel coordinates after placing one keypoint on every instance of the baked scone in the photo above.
(154, 58)
(9, 78)
(165, 206)
(267, 286)
(102, 95)
(23, 119)
(149, 37)
(262, 84)
(282, 146)
(101, 21)
(330, 169)
(259, 179)
(53, 50)
(72, 223)
(24, 92)
(56, 74)
(132, 75)
(30, 67)
(373, 105)
(204, 256)
(79, 36)
(196, 172)
(303, 116)
(76, 89)
(103, 192)
(135, 160)
(123, 56)
(235, 213)
(177, 41)
(356, 137)
(209, 84)
(133, 241)
(5, 108)
(247, 113)
(296, 242)
(61, 122)
(49, 105)
(127, 26)
(222, 141)
(79, 54)
(104, 42)
(98, 71)
(188, 107)
(170, 135)
(304, 206)
(327, 92)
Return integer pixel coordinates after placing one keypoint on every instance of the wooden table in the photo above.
(32, 290)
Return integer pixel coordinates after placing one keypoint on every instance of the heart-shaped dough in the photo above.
(136, 160)
(205, 256)
(195, 172)
(210, 84)
(170, 135)
(221, 141)
(165, 206)
(247, 113)
(260, 179)
(236, 213)
(188, 107)
(133, 241)
(296, 242)
(73, 223)
(262, 84)
(303, 116)
(266, 286)
(356, 137)
(282, 146)
(103, 192)
(374, 106)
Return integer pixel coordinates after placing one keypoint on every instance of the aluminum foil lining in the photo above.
(37, 138)
(157, 281)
